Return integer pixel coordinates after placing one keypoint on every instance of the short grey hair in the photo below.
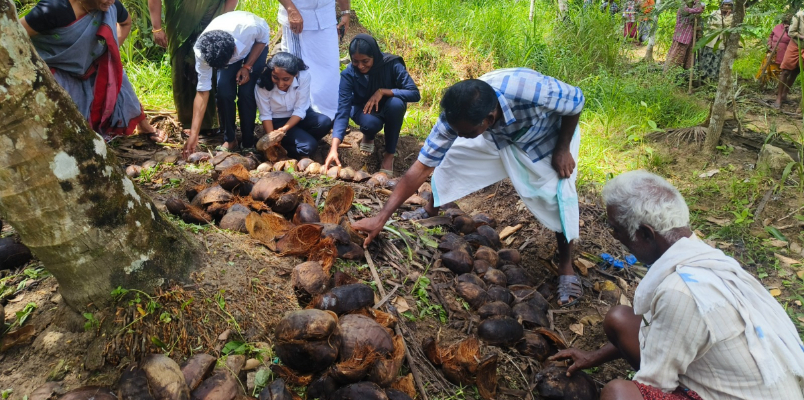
(643, 198)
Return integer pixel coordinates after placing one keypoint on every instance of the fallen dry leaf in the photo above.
(623, 284)
(777, 243)
(775, 292)
(584, 266)
(401, 304)
(786, 262)
(800, 319)
(509, 230)
(577, 329)
(19, 336)
(592, 319)
(624, 300)
(709, 174)
(719, 221)
(798, 303)
(800, 274)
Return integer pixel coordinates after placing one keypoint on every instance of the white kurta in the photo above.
(317, 45)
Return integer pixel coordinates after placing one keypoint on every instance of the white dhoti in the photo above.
(472, 164)
(319, 50)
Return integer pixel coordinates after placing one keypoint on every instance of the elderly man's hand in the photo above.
(295, 20)
(580, 359)
(563, 163)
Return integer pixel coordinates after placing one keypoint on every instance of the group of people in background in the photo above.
(221, 70)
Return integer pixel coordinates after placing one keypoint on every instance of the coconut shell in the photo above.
(350, 251)
(347, 174)
(270, 139)
(461, 364)
(222, 385)
(386, 369)
(356, 367)
(321, 387)
(394, 394)
(537, 301)
(546, 289)
(175, 205)
(495, 277)
(332, 172)
(493, 309)
(518, 276)
(361, 176)
(90, 393)
(13, 254)
(302, 165)
(190, 193)
(280, 165)
(222, 161)
(342, 279)
(380, 179)
(360, 391)
(458, 261)
(530, 316)
(473, 294)
(308, 340)
(212, 194)
(235, 218)
(486, 254)
(196, 368)
(463, 224)
(277, 390)
(471, 278)
(476, 240)
(339, 200)
(274, 185)
(299, 240)
(312, 169)
(481, 266)
(509, 256)
(452, 241)
(265, 167)
(433, 352)
(233, 177)
(500, 331)
(165, 378)
(489, 233)
(453, 212)
(287, 202)
(310, 277)
(361, 329)
(198, 157)
(405, 384)
(292, 377)
(322, 170)
(306, 214)
(275, 153)
(487, 377)
(324, 252)
(336, 232)
(133, 171)
(535, 346)
(499, 293)
(554, 384)
(343, 299)
(133, 385)
(484, 219)
(195, 215)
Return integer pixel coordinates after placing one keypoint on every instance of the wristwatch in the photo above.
(346, 12)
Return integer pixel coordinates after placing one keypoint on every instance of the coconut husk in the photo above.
(279, 165)
(275, 153)
(222, 385)
(287, 202)
(387, 368)
(500, 331)
(434, 353)
(270, 139)
(212, 194)
(291, 376)
(406, 385)
(463, 224)
(303, 164)
(494, 276)
(175, 205)
(308, 340)
(277, 390)
(473, 294)
(467, 353)
(489, 233)
(355, 367)
(361, 176)
(380, 179)
(195, 215)
(344, 299)
(471, 278)
(233, 177)
(499, 293)
(339, 200)
(199, 156)
(194, 191)
(342, 278)
(480, 267)
(509, 256)
(385, 319)
(357, 329)
(222, 161)
(270, 187)
(133, 384)
(552, 382)
(322, 170)
(494, 309)
(325, 253)
(360, 390)
(530, 316)
(321, 387)
(299, 240)
(476, 240)
(552, 337)
(394, 394)
(196, 368)
(487, 254)
(165, 378)
(333, 172)
(535, 346)
(310, 277)
(218, 210)
(95, 393)
(458, 261)
(346, 174)
(249, 202)
(484, 219)
(312, 169)
(486, 378)
(306, 214)
(265, 228)
(354, 235)
(306, 197)
(350, 251)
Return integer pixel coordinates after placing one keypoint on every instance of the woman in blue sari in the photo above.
(79, 41)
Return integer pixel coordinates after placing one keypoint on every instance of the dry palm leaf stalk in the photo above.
(339, 200)
(299, 240)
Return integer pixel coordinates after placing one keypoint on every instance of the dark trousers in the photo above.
(228, 89)
(391, 114)
(302, 140)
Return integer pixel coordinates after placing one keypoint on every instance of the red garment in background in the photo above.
(779, 31)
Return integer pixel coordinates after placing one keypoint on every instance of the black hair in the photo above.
(360, 46)
(217, 48)
(290, 63)
(471, 101)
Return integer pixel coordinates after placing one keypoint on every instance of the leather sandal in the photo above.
(569, 286)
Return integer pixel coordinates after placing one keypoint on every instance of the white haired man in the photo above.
(701, 327)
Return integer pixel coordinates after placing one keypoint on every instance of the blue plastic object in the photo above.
(630, 259)
(618, 264)
(607, 257)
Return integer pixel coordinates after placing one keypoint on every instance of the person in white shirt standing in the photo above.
(234, 45)
(310, 31)
(283, 97)
(701, 326)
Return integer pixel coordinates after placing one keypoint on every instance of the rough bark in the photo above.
(65, 194)
(652, 39)
(719, 106)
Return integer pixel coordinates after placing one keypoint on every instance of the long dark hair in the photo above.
(381, 73)
(290, 63)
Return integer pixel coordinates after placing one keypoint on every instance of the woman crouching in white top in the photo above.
(283, 98)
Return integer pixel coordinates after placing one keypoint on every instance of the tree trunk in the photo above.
(65, 194)
(652, 39)
(718, 113)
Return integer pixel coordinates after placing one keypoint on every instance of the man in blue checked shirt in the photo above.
(511, 123)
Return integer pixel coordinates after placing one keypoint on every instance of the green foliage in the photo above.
(91, 323)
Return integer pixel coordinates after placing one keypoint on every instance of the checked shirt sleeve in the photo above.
(438, 142)
(559, 98)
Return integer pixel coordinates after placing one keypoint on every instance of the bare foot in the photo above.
(387, 162)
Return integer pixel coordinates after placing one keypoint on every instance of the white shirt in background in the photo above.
(245, 27)
(278, 104)
(317, 14)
